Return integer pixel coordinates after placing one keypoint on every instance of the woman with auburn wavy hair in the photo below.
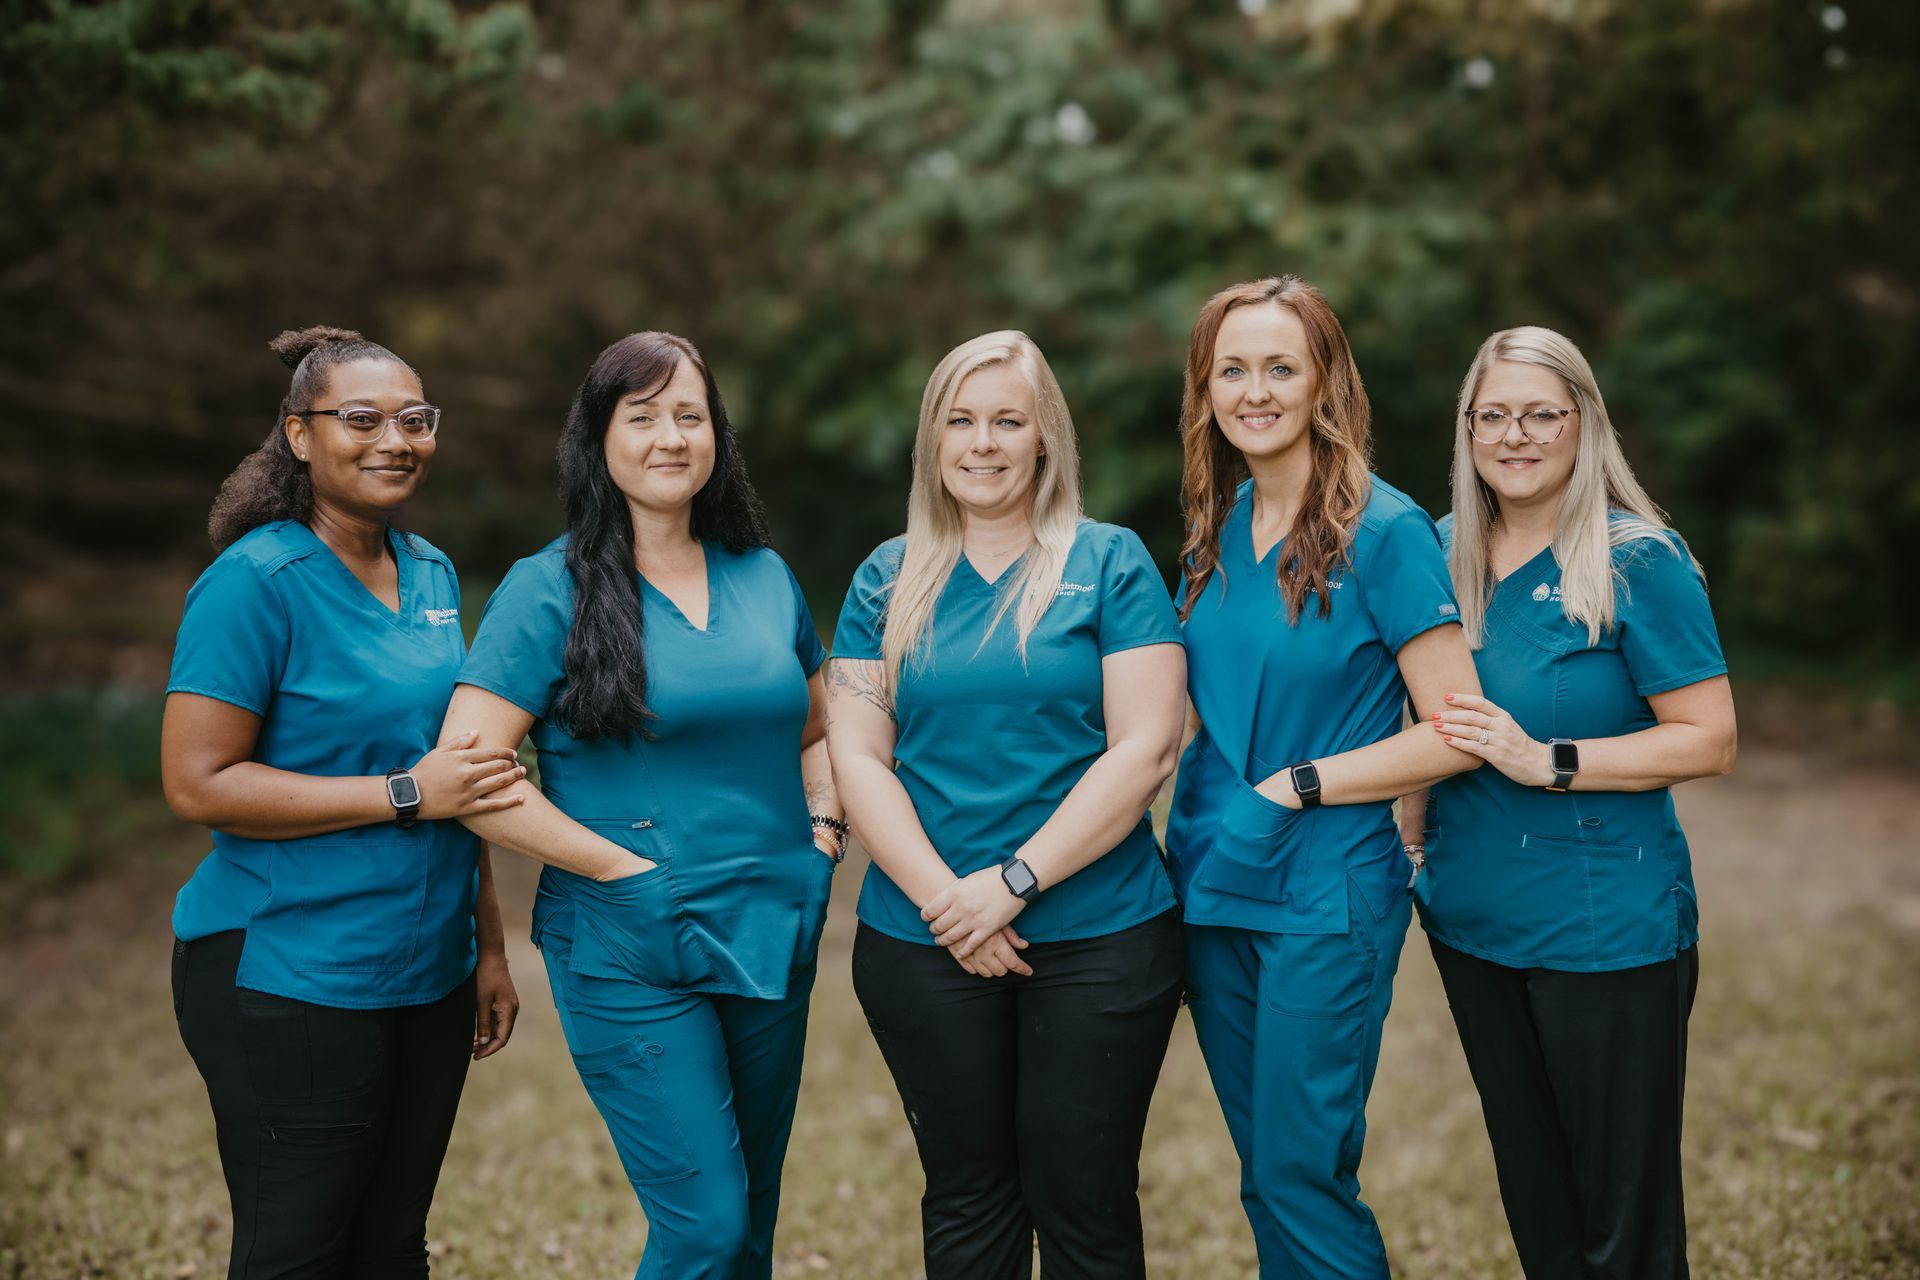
(1005, 693)
(1558, 895)
(663, 661)
(1316, 602)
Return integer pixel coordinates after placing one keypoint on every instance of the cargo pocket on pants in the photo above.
(627, 1085)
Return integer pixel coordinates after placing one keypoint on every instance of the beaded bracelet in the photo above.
(838, 826)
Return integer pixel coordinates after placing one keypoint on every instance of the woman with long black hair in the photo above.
(665, 664)
(332, 950)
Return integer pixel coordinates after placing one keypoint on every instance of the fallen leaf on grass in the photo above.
(1804, 1139)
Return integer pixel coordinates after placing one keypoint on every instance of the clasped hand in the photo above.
(457, 779)
(973, 919)
(1479, 727)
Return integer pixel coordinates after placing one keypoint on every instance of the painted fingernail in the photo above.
(1449, 697)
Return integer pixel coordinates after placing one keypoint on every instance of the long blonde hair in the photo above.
(1587, 528)
(1341, 480)
(934, 517)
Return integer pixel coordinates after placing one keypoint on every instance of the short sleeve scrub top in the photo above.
(371, 917)
(715, 797)
(989, 745)
(1583, 881)
(1271, 693)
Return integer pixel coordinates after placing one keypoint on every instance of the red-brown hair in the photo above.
(1341, 442)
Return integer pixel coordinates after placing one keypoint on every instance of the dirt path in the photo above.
(1803, 1138)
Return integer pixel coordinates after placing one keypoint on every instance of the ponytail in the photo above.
(270, 483)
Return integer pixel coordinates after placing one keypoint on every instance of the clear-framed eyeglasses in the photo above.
(416, 422)
(1542, 426)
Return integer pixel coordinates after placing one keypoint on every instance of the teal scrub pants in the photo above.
(698, 1094)
(1290, 1027)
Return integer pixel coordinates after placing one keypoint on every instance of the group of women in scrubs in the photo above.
(1009, 690)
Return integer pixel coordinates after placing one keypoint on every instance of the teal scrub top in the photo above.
(1271, 693)
(371, 917)
(988, 747)
(716, 797)
(1584, 880)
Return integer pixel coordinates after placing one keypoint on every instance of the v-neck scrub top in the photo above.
(988, 747)
(716, 797)
(371, 917)
(1270, 693)
(1583, 880)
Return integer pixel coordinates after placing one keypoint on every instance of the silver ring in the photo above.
(1483, 739)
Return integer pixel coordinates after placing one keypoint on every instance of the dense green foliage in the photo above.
(1714, 197)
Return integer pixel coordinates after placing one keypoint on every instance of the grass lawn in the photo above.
(1803, 1106)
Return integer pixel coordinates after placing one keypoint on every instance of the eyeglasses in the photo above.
(367, 425)
(1542, 426)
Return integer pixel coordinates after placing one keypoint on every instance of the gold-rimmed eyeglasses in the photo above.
(1542, 426)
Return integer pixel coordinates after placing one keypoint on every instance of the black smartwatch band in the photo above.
(1306, 783)
(400, 784)
(1019, 879)
(1564, 759)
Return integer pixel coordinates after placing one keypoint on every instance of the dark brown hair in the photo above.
(270, 483)
(605, 693)
(1341, 442)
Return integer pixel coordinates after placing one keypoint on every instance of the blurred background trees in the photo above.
(1715, 198)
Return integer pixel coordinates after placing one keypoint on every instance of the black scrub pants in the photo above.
(1027, 1095)
(1581, 1077)
(332, 1123)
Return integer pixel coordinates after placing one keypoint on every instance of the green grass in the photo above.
(1803, 1108)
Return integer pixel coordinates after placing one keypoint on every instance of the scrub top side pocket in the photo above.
(1261, 850)
(813, 911)
(634, 927)
(1633, 905)
(357, 905)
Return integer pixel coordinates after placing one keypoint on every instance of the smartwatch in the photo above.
(1306, 783)
(1564, 756)
(1019, 879)
(403, 793)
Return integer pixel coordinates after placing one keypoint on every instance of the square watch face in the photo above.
(1566, 758)
(403, 791)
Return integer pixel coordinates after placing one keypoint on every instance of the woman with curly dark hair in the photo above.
(332, 950)
(665, 664)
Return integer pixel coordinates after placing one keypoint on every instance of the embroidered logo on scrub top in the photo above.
(1447, 611)
(1072, 588)
(441, 617)
(1544, 593)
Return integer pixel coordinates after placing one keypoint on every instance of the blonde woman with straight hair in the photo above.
(1004, 701)
(1558, 896)
(1317, 605)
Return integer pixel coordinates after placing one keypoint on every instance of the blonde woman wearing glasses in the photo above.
(1004, 702)
(1557, 895)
